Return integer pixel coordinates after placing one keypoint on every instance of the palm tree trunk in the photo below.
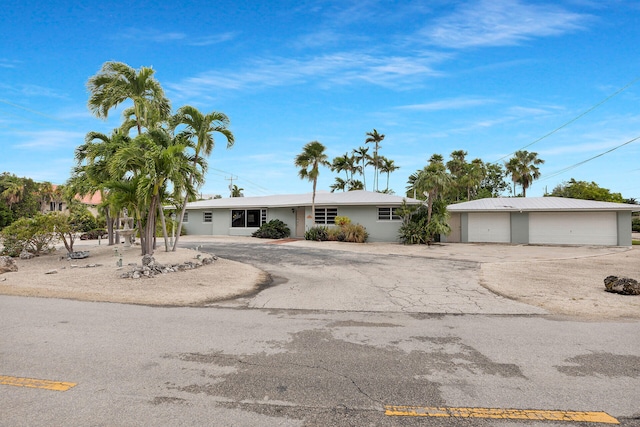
(313, 203)
(180, 219)
(149, 228)
(164, 228)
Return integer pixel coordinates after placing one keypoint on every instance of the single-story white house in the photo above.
(241, 216)
(541, 220)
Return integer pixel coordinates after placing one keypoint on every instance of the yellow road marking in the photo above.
(513, 414)
(35, 383)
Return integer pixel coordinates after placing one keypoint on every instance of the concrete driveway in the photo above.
(380, 277)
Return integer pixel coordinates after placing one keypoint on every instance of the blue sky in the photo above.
(489, 77)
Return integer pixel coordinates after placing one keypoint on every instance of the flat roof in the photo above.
(538, 204)
(323, 198)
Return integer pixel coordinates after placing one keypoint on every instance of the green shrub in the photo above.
(274, 229)
(35, 235)
(355, 233)
(342, 220)
(635, 225)
(318, 233)
(335, 234)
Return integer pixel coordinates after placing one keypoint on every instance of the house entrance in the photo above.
(300, 228)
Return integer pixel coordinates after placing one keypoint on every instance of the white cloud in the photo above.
(48, 140)
(448, 104)
(501, 23)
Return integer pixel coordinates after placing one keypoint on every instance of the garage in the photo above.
(580, 228)
(490, 227)
(541, 220)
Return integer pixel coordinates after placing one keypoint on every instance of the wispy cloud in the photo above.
(330, 69)
(501, 23)
(448, 104)
(9, 63)
(48, 140)
(157, 36)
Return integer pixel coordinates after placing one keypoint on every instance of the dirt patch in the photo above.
(97, 278)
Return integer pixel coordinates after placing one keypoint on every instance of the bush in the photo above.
(274, 229)
(355, 233)
(34, 235)
(342, 220)
(93, 234)
(335, 234)
(635, 225)
(318, 233)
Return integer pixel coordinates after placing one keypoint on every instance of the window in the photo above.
(208, 217)
(241, 218)
(388, 214)
(185, 218)
(52, 206)
(60, 206)
(326, 215)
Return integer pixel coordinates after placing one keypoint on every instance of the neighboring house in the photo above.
(91, 201)
(241, 216)
(541, 220)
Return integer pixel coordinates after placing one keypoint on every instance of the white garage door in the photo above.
(489, 227)
(581, 228)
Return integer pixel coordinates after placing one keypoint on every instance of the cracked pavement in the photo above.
(317, 279)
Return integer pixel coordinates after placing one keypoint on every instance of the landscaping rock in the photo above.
(151, 268)
(26, 255)
(621, 285)
(7, 264)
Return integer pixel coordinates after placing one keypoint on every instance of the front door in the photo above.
(300, 228)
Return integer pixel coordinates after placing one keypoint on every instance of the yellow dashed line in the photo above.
(510, 414)
(35, 383)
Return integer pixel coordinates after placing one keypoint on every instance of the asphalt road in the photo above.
(250, 363)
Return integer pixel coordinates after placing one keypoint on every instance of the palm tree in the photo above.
(199, 128)
(432, 181)
(387, 166)
(375, 138)
(360, 155)
(458, 167)
(475, 173)
(236, 191)
(117, 82)
(309, 162)
(45, 192)
(13, 192)
(523, 168)
(91, 172)
(340, 184)
(156, 160)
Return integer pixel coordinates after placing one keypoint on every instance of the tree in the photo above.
(340, 184)
(236, 191)
(199, 129)
(309, 162)
(155, 159)
(493, 184)
(92, 171)
(432, 181)
(586, 191)
(375, 138)
(474, 174)
(360, 155)
(523, 168)
(117, 82)
(387, 166)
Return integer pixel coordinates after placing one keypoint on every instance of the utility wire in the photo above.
(628, 85)
(568, 168)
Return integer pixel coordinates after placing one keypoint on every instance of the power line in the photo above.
(628, 85)
(568, 168)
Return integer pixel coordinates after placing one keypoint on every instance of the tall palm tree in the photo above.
(387, 166)
(340, 184)
(156, 159)
(375, 138)
(360, 155)
(512, 169)
(199, 128)
(432, 181)
(475, 173)
(91, 172)
(14, 190)
(523, 168)
(309, 162)
(117, 82)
